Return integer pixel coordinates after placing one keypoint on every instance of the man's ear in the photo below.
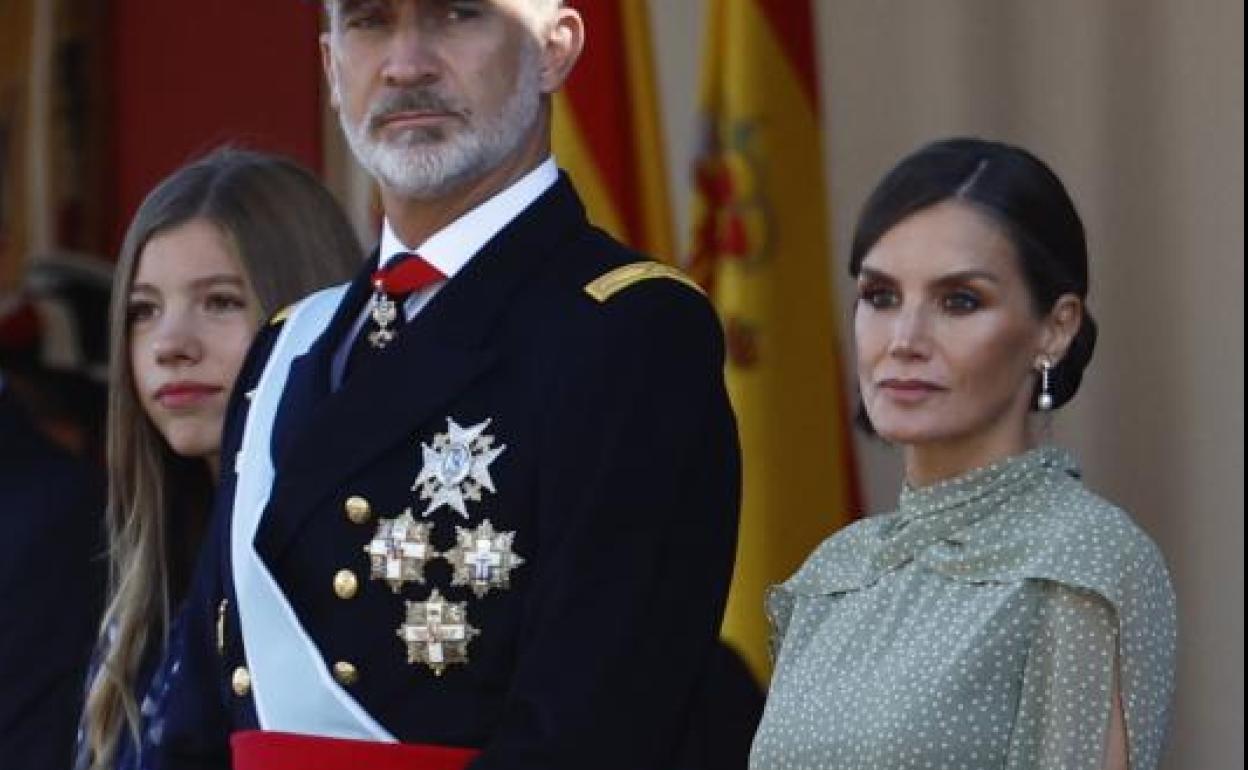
(327, 66)
(562, 43)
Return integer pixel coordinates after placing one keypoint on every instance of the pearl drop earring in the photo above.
(1045, 400)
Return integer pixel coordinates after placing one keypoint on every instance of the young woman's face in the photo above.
(191, 316)
(947, 337)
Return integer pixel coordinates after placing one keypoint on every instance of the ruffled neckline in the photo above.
(942, 510)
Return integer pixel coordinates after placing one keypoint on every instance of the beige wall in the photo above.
(1138, 104)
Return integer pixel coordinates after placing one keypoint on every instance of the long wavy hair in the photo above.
(290, 238)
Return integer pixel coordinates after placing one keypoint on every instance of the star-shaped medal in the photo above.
(437, 632)
(483, 558)
(457, 467)
(400, 550)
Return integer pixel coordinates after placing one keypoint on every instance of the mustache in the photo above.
(409, 100)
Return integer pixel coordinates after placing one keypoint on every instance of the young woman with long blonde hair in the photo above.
(217, 247)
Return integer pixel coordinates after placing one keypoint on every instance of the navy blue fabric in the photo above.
(156, 675)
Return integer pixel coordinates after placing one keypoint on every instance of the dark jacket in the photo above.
(52, 575)
(619, 479)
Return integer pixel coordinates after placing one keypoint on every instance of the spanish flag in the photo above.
(761, 249)
(606, 129)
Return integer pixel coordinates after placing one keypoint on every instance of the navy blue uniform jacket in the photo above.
(620, 480)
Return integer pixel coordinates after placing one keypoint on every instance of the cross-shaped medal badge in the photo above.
(456, 467)
(400, 550)
(437, 632)
(483, 558)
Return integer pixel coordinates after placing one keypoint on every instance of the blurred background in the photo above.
(1137, 104)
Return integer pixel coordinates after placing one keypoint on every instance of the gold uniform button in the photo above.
(345, 673)
(346, 584)
(241, 681)
(358, 510)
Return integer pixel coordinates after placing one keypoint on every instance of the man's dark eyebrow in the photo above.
(346, 6)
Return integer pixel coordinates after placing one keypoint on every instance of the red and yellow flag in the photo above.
(606, 129)
(761, 248)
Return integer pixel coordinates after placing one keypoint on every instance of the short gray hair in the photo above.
(542, 7)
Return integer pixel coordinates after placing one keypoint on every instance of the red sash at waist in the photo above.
(267, 750)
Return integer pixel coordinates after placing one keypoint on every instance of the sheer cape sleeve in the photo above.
(1108, 598)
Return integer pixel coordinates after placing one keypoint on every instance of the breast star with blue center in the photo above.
(456, 467)
(483, 558)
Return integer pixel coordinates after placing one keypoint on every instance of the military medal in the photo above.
(483, 558)
(456, 467)
(383, 312)
(405, 274)
(400, 550)
(437, 632)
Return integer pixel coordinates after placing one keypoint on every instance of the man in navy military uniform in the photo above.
(484, 500)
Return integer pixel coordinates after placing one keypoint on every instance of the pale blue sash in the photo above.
(293, 690)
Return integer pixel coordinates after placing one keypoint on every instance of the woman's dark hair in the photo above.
(1024, 197)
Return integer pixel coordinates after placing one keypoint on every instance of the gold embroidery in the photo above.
(282, 315)
(606, 286)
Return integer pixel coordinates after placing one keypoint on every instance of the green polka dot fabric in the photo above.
(985, 624)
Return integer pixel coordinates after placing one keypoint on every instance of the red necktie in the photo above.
(405, 274)
(392, 285)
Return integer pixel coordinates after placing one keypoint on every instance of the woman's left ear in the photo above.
(1061, 325)
(562, 45)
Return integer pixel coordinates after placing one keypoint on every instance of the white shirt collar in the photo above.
(450, 248)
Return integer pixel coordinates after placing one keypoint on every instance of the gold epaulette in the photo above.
(604, 287)
(281, 315)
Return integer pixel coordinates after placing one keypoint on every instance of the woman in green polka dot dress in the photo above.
(1004, 616)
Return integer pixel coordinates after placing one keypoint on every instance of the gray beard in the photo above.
(427, 163)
